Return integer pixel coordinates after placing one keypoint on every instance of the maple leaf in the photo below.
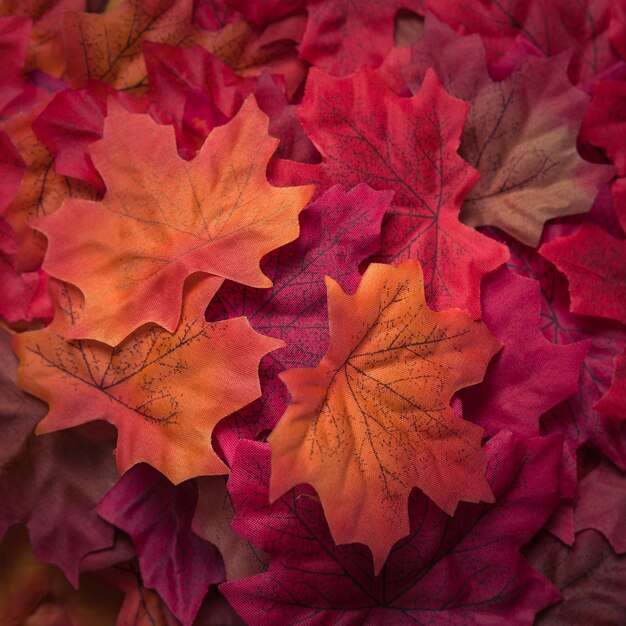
(267, 11)
(34, 593)
(157, 515)
(601, 503)
(373, 419)
(167, 218)
(366, 133)
(107, 47)
(337, 232)
(549, 28)
(45, 48)
(594, 263)
(212, 521)
(163, 392)
(530, 170)
(311, 580)
(11, 171)
(23, 296)
(344, 34)
(530, 375)
(613, 403)
(14, 34)
(37, 476)
(590, 576)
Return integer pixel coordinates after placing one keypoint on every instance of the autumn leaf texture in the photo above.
(373, 419)
(312, 312)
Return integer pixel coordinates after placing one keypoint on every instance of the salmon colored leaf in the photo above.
(337, 232)
(342, 35)
(461, 569)
(366, 133)
(613, 403)
(549, 28)
(163, 392)
(23, 296)
(173, 560)
(591, 577)
(520, 134)
(373, 419)
(166, 218)
(530, 375)
(595, 265)
(107, 47)
(212, 521)
(42, 190)
(50, 484)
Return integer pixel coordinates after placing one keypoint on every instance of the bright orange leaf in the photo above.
(164, 393)
(107, 46)
(373, 419)
(42, 190)
(164, 218)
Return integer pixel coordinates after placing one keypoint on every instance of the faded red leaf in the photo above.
(163, 392)
(530, 375)
(342, 35)
(520, 134)
(337, 232)
(173, 560)
(365, 133)
(449, 568)
(51, 484)
(591, 577)
(595, 265)
(212, 521)
(373, 419)
(167, 218)
(41, 191)
(23, 296)
(549, 27)
(46, 47)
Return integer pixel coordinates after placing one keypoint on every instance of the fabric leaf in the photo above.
(373, 420)
(166, 218)
(520, 134)
(366, 133)
(163, 392)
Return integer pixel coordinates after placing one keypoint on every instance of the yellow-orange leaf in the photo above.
(373, 419)
(163, 218)
(163, 392)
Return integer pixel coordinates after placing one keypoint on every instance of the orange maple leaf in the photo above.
(107, 46)
(41, 191)
(373, 419)
(166, 218)
(163, 392)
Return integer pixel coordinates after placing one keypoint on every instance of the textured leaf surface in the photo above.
(594, 263)
(548, 28)
(166, 218)
(172, 558)
(338, 231)
(449, 569)
(613, 403)
(163, 392)
(51, 484)
(591, 577)
(530, 375)
(373, 419)
(365, 133)
(520, 134)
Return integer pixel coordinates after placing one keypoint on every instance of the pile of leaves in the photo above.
(313, 312)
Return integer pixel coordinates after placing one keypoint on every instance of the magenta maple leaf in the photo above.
(51, 484)
(337, 232)
(172, 558)
(366, 133)
(461, 569)
(530, 375)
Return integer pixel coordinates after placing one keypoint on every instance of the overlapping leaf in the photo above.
(164, 392)
(166, 218)
(373, 419)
